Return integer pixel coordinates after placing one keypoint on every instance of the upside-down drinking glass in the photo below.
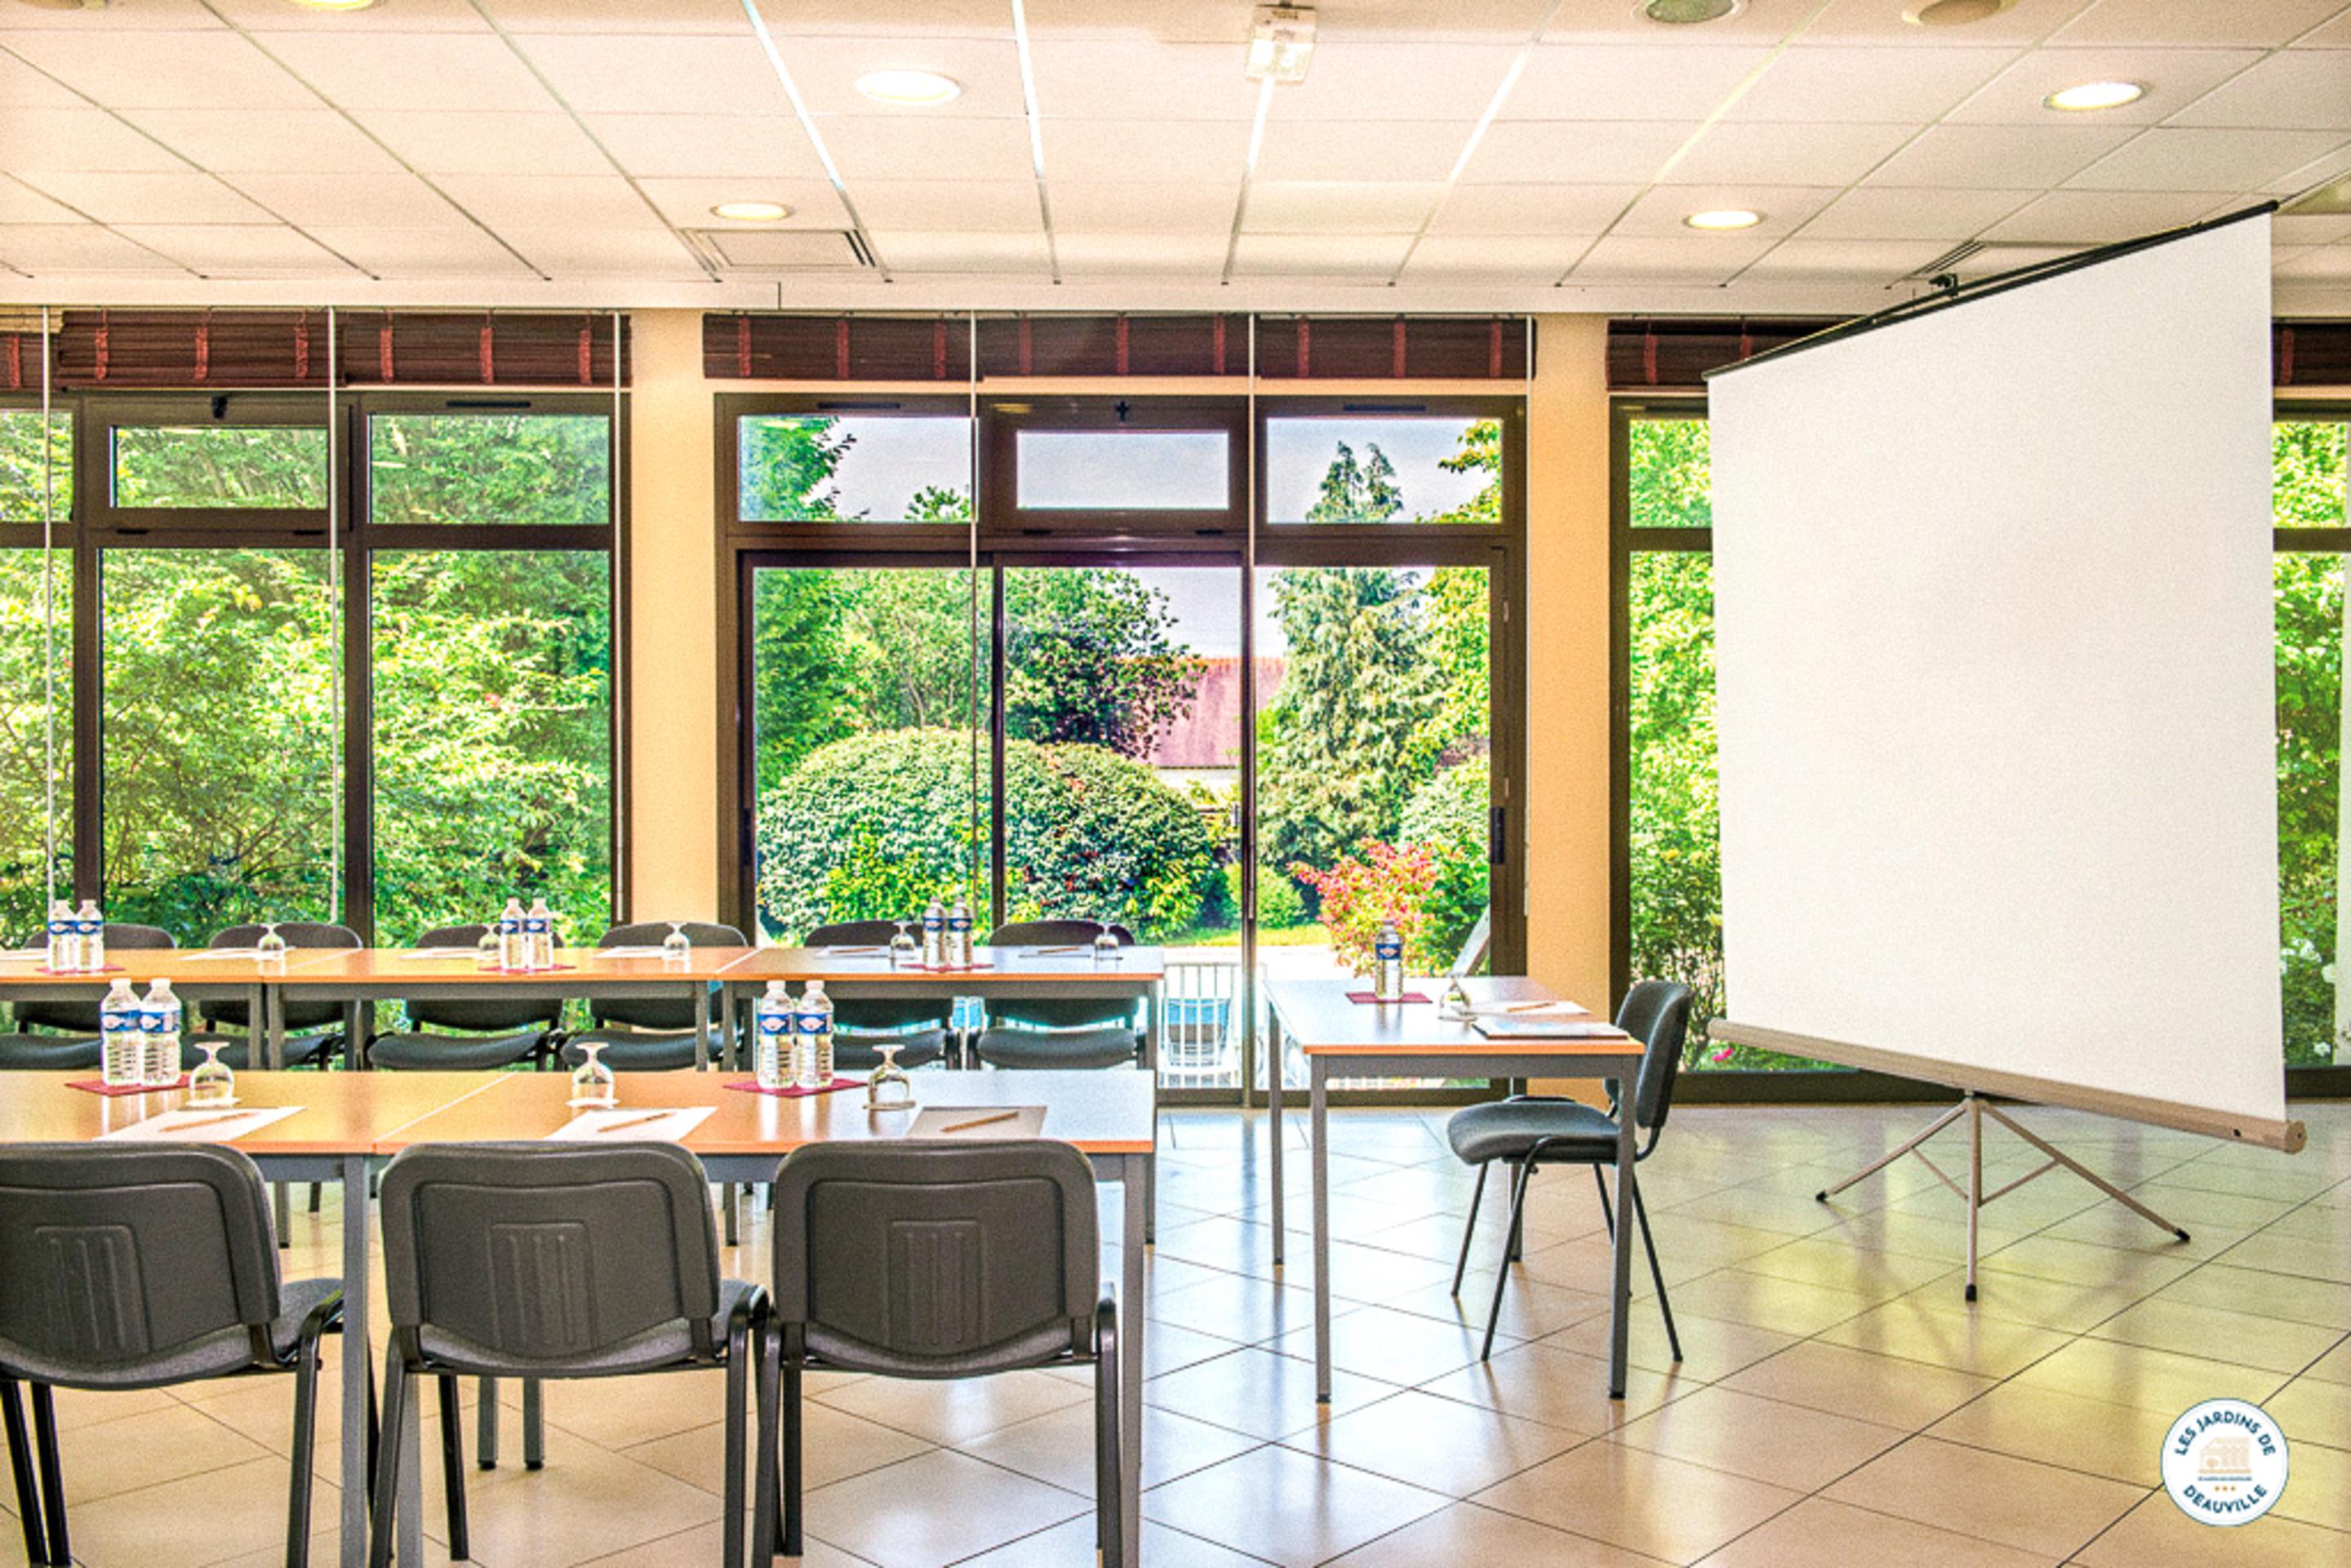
(905, 953)
(593, 1083)
(213, 1084)
(676, 947)
(887, 1087)
(272, 947)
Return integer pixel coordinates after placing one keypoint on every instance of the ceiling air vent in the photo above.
(781, 250)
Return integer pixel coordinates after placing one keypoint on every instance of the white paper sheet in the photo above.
(201, 1126)
(633, 1125)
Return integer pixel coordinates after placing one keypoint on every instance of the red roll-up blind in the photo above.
(737, 345)
(213, 349)
(1674, 353)
(1392, 348)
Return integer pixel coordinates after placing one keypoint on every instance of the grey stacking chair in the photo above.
(654, 1035)
(72, 1044)
(314, 1030)
(476, 1034)
(545, 1259)
(934, 1259)
(130, 1267)
(1526, 1131)
(1058, 1031)
(917, 1025)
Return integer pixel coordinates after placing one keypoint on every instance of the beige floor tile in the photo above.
(960, 1410)
(75, 1407)
(1764, 1439)
(1260, 1392)
(2320, 1302)
(1836, 1262)
(1588, 1263)
(1560, 1389)
(1442, 1445)
(1324, 1510)
(585, 1502)
(1915, 1329)
(2334, 1366)
(2271, 1343)
(2156, 1534)
(2287, 1180)
(196, 1520)
(1643, 1501)
(2303, 1256)
(1531, 1308)
(2117, 1441)
(2050, 1257)
(2032, 1507)
(1760, 1208)
(1789, 1306)
(1466, 1534)
(1071, 1544)
(1395, 1347)
(107, 1458)
(834, 1446)
(2157, 1380)
(691, 1548)
(1711, 1347)
(2318, 1488)
(1881, 1389)
(936, 1509)
(1242, 1307)
(2314, 1409)
(1058, 1448)
(1818, 1533)
(615, 1413)
(2314, 1221)
(2193, 1207)
(2023, 1299)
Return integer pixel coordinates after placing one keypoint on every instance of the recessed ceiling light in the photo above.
(1724, 218)
(751, 212)
(1954, 13)
(913, 89)
(1281, 43)
(2093, 95)
(1684, 13)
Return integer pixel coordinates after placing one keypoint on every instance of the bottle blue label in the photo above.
(1387, 949)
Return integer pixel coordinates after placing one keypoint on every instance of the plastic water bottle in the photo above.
(771, 1036)
(1387, 963)
(935, 935)
(512, 955)
(539, 926)
(813, 1052)
(90, 927)
(64, 940)
(159, 1022)
(959, 935)
(121, 1060)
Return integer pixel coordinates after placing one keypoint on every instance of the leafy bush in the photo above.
(874, 826)
(1447, 816)
(1387, 884)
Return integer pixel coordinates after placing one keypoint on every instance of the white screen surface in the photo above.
(1995, 689)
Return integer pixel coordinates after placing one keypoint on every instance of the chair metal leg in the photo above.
(534, 1427)
(52, 1483)
(1607, 1209)
(380, 1528)
(1469, 1229)
(1641, 1212)
(374, 1421)
(730, 1530)
(791, 1477)
(452, 1467)
(1526, 1174)
(767, 1529)
(316, 1189)
(20, 1461)
(485, 1425)
(306, 1446)
(1110, 1471)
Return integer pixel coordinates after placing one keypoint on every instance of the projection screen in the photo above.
(1994, 647)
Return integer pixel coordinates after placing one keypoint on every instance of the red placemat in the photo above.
(100, 1086)
(1378, 1001)
(751, 1086)
(110, 969)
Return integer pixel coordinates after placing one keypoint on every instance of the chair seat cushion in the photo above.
(48, 1053)
(214, 1354)
(634, 1050)
(854, 1049)
(1057, 1048)
(426, 1052)
(667, 1345)
(1506, 1129)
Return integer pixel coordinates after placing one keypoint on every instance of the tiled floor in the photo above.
(1840, 1404)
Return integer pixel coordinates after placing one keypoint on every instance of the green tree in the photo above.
(1356, 490)
(1091, 656)
(2309, 491)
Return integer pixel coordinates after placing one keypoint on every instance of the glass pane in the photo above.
(869, 744)
(221, 670)
(1374, 793)
(1670, 478)
(493, 737)
(2307, 488)
(1125, 470)
(1418, 468)
(1123, 753)
(263, 466)
(35, 680)
(21, 476)
(850, 467)
(496, 468)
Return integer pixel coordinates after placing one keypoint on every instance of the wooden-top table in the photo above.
(856, 973)
(1342, 1039)
(197, 973)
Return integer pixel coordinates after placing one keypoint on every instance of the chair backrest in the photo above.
(658, 1012)
(498, 1254)
(81, 1017)
(228, 1013)
(1656, 1013)
(1057, 1012)
(116, 1255)
(937, 1258)
(492, 1014)
(878, 1013)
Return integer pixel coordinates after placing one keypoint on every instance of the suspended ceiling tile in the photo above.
(1692, 258)
(891, 18)
(77, 139)
(1434, 21)
(1082, 79)
(306, 141)
(1892, 212)
(1762, 22)
(2173, 78)
(1845, 260)
(120, 16)
(648, 73)
(1195, 256)
(582, 201)
(939, 251)
(393, 200)
(183, 198)
(876, 147)
(216, 248)
(718, 145)
(1868, 83)
(1125, 150)
(2260, 24)
(277, 20)
(1784, 155)
(1998, 157)
(1142, 208)
(1784, 207)
(1637, 81)
(623, 16)
(572, 251)
(2306, 88)
(164, 70)
(1880, 21)
(1351, 256)
(486, 141)
(41, 249)
(1493, 259)
(826, 71)
(1531, 209)
(2096, 218)
(1353, 79)
(20, 203)
(2335, 34)
(2164, 159)
(2328, 264)
(413, 70)
(1335, 206)
(23, 87)
(687, 201)
(2292, 229)
(1537, 151)
(1362, 149)
(1225, 22)
(2323, 170)
(967, 206)
(464, 252)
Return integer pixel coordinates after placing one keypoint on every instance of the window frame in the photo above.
(801, 533)
(1508, 412)
(94, 467)
(1005, 523)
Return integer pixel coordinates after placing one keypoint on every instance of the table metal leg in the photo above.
(358, 1353)
(257, 1027)
(1621, 1298)
(1130, 1315)
(1152, 1015)
(1273, 1141)
(408, 1542)
(701, 1028)
(1320, 1099)
(726, 1026)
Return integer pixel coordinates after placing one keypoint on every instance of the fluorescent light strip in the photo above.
(808, 124)
(1029, 101)
(1248, 172)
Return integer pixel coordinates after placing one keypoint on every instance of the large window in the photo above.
(490, 467)
(1371, 463)
(2314, 525)
(36, 760)
(218, 468)
(842, 462)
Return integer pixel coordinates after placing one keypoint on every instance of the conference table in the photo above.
(1341, 1038)
(349, 1121)
(197, 973)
